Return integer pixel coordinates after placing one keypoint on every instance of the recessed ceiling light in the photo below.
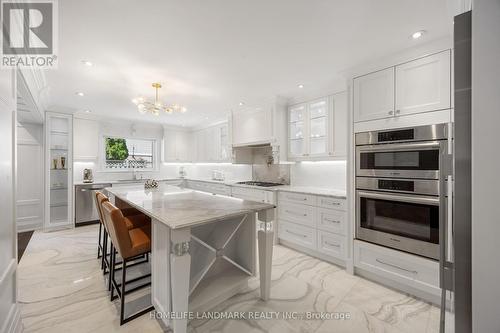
(87, 63)
(300, 86)
(241, 103)
(417, 34)
(79, 93)
(87, 111)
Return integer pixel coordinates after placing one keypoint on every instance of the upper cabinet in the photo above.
(424, 85)
(176, 146)
(209, 144)
(318, 129)
(86, 139)
(416, 86)
(374, 95)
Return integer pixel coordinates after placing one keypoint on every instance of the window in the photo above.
(129, 154)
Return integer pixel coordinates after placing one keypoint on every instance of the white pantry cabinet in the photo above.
(318, 129)
(86, 139)
(58, 170)
(417, 86)
(176, 145)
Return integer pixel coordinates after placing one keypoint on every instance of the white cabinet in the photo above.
(212, 144)
(423, 85)
(374, 95)
(176, 146)
(318, 128)
(252, 194)
(416, 86)
(86, 139)
(59, 175)
(316, 223)
(210, 187)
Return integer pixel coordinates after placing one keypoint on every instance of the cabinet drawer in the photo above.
(332, 244)
(297, 234)
(297, 198)
(332, 203)
(301, 214)
(405, 268)
(249, 194)
(331, 220)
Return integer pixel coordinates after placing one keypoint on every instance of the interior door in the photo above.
(424, 84)
(374, 95)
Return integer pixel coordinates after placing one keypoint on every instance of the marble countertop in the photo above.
(179, 207)
(287, 188)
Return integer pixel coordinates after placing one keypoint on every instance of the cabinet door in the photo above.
(297, 122)
(224, 149)
(340, 124)
(182, 146)
(251, 125)
(318, 127)
(169, 145)
(86, 139)
(201, 145)
(374, 95)
(424, 84)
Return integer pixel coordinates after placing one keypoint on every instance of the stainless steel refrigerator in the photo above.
(455, 259)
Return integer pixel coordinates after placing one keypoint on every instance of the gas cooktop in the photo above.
(263, 184)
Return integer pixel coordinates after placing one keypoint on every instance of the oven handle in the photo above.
(401, 146)
(418, 199)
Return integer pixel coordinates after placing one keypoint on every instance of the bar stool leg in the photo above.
(99, 244)
(122, 298)
(104, 251)
(111, 270)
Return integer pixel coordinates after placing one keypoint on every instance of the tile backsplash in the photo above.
(274, 173)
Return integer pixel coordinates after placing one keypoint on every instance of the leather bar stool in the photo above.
(130, 243)
(133, 219)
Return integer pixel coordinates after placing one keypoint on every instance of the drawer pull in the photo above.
(396, 266)
(331, 244)
(294, 213)
(330, 203)
(295, 233)
(293, 198)
(330, 220)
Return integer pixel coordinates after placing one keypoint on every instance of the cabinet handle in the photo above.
(398, 111)
(331, 244)
(391, 112)
(294, 213)
(330, 220)
(395, 266)
(295, 233)
(330, 203)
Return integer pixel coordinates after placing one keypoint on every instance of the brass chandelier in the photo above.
(156, 106)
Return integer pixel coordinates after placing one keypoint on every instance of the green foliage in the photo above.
(116, 149)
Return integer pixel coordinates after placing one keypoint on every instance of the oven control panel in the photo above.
(396, 185)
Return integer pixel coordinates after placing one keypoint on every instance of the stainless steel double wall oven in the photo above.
(401, 187)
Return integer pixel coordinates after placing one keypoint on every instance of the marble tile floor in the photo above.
(62, 289)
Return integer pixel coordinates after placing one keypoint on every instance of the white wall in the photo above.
(9, 312)
(330, 174)
(30, 177)
(485, 166)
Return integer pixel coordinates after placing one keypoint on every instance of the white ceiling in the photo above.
(210, 55)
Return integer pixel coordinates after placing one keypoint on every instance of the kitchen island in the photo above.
(203, 247)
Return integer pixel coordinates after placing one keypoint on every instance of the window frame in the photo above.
(102, 149)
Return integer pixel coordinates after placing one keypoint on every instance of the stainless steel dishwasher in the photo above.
(85, 209)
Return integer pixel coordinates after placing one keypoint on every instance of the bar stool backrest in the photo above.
(118, 230)
(99, 198)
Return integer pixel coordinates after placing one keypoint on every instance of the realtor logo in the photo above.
(29, 31)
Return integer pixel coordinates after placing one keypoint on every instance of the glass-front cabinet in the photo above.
(59, 166)
(317, 129)
(309, 129)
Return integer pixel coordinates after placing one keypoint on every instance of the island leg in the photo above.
(266, 239)
(180, 265)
